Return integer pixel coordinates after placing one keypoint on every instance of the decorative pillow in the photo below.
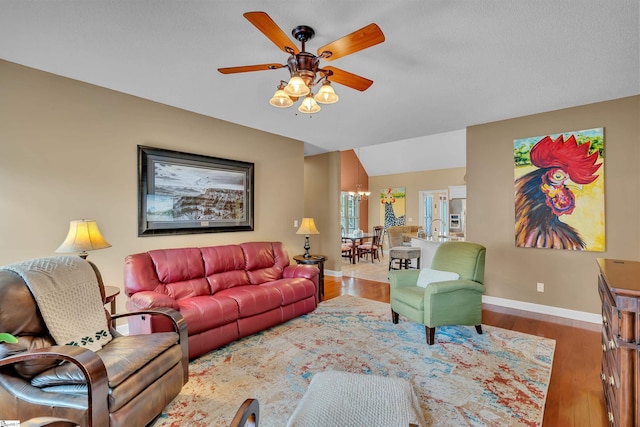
(429, 275)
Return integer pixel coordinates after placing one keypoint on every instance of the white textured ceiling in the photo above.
(445, 64)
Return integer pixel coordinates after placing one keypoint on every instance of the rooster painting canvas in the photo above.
(559, 197)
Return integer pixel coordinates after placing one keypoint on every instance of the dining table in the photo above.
(356, 239)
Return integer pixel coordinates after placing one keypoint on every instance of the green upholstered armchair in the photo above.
(442, 303)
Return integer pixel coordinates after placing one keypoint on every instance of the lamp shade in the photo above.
(296, 87)
(84, 235)
(309, 105)
(326, 94)
(308, 226)
(281, 99)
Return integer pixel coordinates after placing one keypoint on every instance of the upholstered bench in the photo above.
(336, 398)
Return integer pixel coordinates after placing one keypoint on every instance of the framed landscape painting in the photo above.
(183, 193)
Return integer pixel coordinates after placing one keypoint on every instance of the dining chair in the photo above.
(373, 247)
(347, 249)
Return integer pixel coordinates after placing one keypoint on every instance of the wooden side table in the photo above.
(110, 294)
(315, 260)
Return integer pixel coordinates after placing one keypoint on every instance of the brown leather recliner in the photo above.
(126, 383)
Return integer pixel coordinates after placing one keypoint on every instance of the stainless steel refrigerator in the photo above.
(457, 217)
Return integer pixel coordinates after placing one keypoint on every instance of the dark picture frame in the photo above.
(184, 193)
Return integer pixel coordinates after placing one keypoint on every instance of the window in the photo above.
(349, 213)
(434, 209)
(428, 214)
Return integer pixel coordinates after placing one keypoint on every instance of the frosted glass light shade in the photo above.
(326, 94)
(296, 87)
(83, 236)
(280, 99)
(309, 105)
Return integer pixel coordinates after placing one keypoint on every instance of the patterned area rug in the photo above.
(496, 379)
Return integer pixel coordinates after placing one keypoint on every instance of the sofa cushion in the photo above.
(181, 271)
(207, 312)
(122, 357)
(265, 261)
(218, 259)
(293, 290)
(253, 299)
(224, 267)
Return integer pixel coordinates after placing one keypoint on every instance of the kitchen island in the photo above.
(429, 245)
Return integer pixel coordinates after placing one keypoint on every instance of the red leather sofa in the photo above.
(223, 292)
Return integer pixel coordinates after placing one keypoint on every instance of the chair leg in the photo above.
(431, 334)
(479, 329)
(394, 317)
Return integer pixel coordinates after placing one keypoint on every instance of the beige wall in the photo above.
(570, 278)
(413, 182)
(69, 152)
(322, 202)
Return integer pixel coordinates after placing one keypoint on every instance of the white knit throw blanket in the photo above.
(68, 296)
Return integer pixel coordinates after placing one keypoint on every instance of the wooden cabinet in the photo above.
(619, 289)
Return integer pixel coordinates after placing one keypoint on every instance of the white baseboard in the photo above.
(333, 273)
(544, 309)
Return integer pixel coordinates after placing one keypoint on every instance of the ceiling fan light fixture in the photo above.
(304, 66)
(309, 105)
(280, 99)
(326, 94)
(296, 87)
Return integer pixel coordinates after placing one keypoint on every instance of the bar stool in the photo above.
(404, 254)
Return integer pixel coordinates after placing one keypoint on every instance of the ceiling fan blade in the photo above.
(269, 28)
(358, 40)
(348, 79)
(247, 68)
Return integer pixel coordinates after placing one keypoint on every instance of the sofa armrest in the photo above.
(403, 278)
(92, 368)
(454, 285)
(146, 300)
(179, 326)
(301, 270)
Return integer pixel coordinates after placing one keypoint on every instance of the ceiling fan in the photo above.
(304, 67)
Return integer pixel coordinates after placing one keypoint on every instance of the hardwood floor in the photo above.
(575, 397)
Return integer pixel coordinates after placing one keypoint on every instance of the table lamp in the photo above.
(84, 235)
(307, 227)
